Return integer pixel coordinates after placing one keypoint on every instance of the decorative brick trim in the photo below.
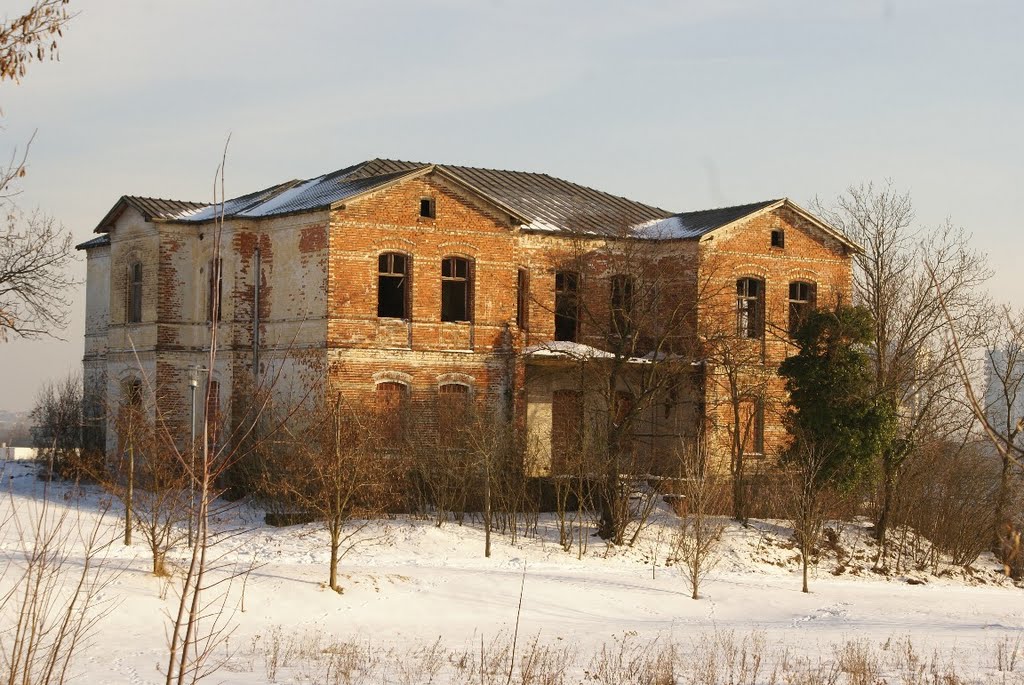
(455, 379)
(392, 377)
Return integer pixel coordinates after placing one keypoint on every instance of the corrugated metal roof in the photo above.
(545, 203)
(158, 208)
(695, 224)
(98, 241)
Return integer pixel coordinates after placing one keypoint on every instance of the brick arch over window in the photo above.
(392, 377)
(456, 379)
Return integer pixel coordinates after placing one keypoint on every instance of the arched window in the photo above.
(134, 313)
(801, 302)
(456, 289)
(392, 402)
(393, 285)
(749, 308)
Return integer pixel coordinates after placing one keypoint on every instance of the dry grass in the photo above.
(722, 658)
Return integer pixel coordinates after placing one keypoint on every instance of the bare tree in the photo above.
(60, 573)
(57, 425)
(807, 496)
(914, 364)
(1004, 408)
(700, 528)
(34, 249)
(334, 473)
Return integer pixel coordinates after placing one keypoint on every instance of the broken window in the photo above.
(801, 302)
(778, 238)
(391, 405)
(452, 412)
(749, 308)
(752, 425)
(392, 285)
(566, 429)
(213, 297)
(622, 305)
(135, 293)
(427, 208)
(567, 313)
(456, 287)
(522, 298)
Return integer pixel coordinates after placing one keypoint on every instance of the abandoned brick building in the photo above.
(428, 291)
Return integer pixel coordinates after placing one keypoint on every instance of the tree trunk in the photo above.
(129, 494)
(888, 489)
(803, 555)
(335, 545)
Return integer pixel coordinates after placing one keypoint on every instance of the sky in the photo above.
(683, 105)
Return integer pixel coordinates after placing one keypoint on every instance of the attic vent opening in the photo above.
(427, 208)
(778, 238)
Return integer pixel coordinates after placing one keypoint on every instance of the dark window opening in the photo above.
(455, 289)
(567, 314)
(622, 305)
(135, 293)
(216, 286)
(749, 308)
(391, 405)
(801, 302)
(392, 286)
(522, 298)
(427, 210)
(778, 238)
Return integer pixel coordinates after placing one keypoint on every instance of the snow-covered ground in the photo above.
(421, 603)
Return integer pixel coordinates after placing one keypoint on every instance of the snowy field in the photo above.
(422, 604)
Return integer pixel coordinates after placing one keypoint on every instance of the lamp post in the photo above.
(193, 381)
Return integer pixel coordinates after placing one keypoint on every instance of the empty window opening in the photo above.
(801, 302)
(213, 296)
(522, 298)
(452, 413)
(622, 305)
(391, 405)
(135, 293)
(427, 208)
(749, 308)
(778, 238)
(392, 286)
(567, 313)
(455, 289)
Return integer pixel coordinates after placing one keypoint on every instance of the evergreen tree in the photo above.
(832, 398)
